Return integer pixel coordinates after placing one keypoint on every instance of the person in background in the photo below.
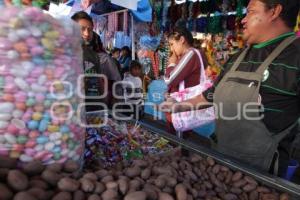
(133, 89)
(110, 69)
(115, 54)
(96, 62)
(91, 63)
(125, 59)
(184, 64)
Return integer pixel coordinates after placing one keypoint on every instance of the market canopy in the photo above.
(141, 9)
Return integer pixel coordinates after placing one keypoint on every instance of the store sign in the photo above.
(130, 4)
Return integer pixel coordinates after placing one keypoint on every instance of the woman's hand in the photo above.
(173, 59)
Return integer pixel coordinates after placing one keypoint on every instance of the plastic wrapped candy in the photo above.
(116, 141)
(40, 60)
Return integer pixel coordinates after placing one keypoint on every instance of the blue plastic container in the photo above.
(291, 169)
(155, 95)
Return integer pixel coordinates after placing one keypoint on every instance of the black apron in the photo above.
(246, 139)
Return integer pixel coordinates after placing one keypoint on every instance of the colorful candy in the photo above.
(117, 141)
(36, 52)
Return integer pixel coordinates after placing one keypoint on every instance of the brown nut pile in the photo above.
(155, 177)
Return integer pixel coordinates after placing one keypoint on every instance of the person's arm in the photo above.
(201, 101)
(109, 67)
(182, 70)
(197, 103)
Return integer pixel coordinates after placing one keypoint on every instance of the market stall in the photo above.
(51, 149)
(184, 171)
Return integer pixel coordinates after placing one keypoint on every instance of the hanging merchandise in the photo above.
(205, 7)
(121, 40)
(225, 6)
(148, 49)
(196, 10)
(158, 9)
(125, 22)
(297, 28)
(140, 29)
(144, 11)
(149, 42)
(163, 53)
(230, 22)
(183, 20)
(215, 23)
(129, 4)
(201, 24)
(166, 5)
(104, 6)
(156, 24)
(174, 12)
(112, 22)
(100, 23)
(149, 58)
(154, 27)
(190, 21)
(239, 9)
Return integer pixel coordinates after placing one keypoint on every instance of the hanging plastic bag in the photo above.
(40, 60)
(189, 120)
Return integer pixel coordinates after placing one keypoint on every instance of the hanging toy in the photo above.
(35, 3)
(297, 28)
(166, 5)
(239, 9)
(190, 18)
(214, 23)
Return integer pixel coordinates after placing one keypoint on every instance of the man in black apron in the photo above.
(257, 95)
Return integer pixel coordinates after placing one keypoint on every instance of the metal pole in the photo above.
(132, 38)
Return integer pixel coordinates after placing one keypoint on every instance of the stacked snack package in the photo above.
(40, 60)
(116, 141)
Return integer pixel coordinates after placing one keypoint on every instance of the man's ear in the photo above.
(276, 12)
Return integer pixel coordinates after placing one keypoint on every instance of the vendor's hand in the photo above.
(170, 99)
(169, 105)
